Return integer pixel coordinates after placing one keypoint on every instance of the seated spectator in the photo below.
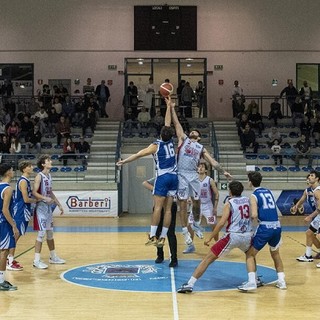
(276, 150)
(57, 105)
(89, 120)
(41, 119)
(69, 151)
(34, 140)
(83, 148)
(32, 107)
(242, 123)
(68, 108)
(79, 111)
(10, 107)
(15, 148)
(255, 120)
(144, 120)
(251, 106)
(305, 127)
(5, 145)
(63, 129)
(130, 122)
(2, 129)
(297, 110)
(303, 150)
(275, 111)
(95, 106)
(53, 119)
(316, 131)
(273, 135)
(26, 128)
(13, 129)
(248, 139)
(239, 107)
(158, 122)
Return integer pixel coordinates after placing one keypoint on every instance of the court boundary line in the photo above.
(174, 295)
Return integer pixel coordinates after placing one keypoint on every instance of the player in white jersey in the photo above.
(43, 217)
(21, 209)
(312, 194)
(236, 216)
(8, 229)
(209, 198)
(190, 151)
(166, 183)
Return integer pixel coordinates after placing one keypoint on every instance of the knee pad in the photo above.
(49, 235)
(40, 236)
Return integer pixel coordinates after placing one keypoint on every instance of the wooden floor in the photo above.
(43, 295)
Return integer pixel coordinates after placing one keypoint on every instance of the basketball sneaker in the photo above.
(197, 230)
(317, 256)
(14, 266)
(318, 265)
(281, 285)
(160, 242)
(304, 258)
(151, 241)
(187, 238)
(259, 282)
(185, 288)
(248, 286)
(189, 249)
(40, 265)
(7, 286)
(56, 260)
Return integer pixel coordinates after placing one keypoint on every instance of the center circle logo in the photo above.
(145, 275)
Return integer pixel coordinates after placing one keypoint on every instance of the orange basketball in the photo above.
(166, 89)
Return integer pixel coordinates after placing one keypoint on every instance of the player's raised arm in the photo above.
(179, 130)
(142, 153)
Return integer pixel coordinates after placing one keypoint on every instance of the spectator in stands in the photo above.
(57, 105)
(291, 93)
(26, 128)
(132, 95)
(63, 92)
(15, 149)
(45, 97)
(89, 120)
(316, 131)
(187, 96)
(2, 129)
(69, 151)
(242, 123)
(273, 135)
(7, 88)
(88, 91)
(5, 146)
(255, 119)
(95, 106)
(83, 148)
(275, 111)
(144, 121)
(33, 107)
(103, 96)
(78, 118)
(13, 129)
(158, 122)
(303, 150)
(10, 108)
(248, 139)
(237, 98)
(297, 110)
(68, 108)
(179, 91)
(130, 122)
(253, 105)
(149, 98)
(276, 152)
(306, 97)
(34, 140)
(41, 119)
(53, 119)
(306, 127)
(200, 94)
(63, 129)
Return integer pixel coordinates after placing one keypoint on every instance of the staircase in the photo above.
(101, 165)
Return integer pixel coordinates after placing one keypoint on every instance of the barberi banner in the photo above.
(88, 203)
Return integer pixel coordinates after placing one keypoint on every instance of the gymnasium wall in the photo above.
(255, 41)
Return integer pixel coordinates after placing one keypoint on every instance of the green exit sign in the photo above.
(223, 186)
(112, 67)
(218, 67)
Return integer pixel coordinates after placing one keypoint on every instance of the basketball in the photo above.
(166, 89)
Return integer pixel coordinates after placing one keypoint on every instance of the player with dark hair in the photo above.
(8, 229)
(43, 217)
(263, 208)
(166, 182)
(236, 214)
(22, 209)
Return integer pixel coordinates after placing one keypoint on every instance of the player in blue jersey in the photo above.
(312, 196)
(166, 183)
(8, 229)
(21, 209)
(264, 209)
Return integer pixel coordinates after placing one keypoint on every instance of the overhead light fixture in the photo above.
(189, 59)
(189, 65)
(22, 86)
(140, 59)
(140, 62)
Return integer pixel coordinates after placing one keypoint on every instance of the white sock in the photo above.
(2, 274)
(10, 259)
(308, 251)
(164, 232)
(37, 257)
(281, 276)
(252, 277)
(192, 281)
(53, 254)
(184, 230)
(153, 230)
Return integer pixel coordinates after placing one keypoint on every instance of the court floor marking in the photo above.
(174, 295)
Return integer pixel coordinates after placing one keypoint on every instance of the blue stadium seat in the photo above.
(54, 169)
(251, 156)
(66, 169)
(29, 157)
(79, 169)
(36, 170)
(306, 169)
(58, 146)
(257, 169)
(267, 169)
(264, 157)
(55, 157)
(49, 135)
(75, 136)
(294, 169)
(281, 169)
